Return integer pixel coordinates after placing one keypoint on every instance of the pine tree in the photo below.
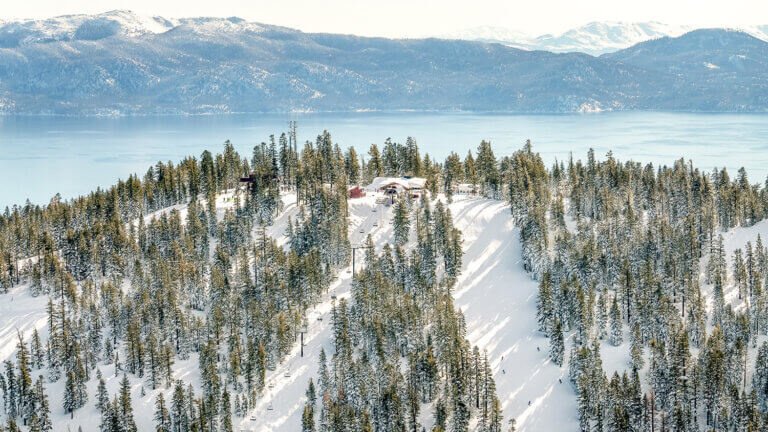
(70, 394)
(602, 315)
(102, 398)
(557, 344)
(544, 304)
(616, 326)
(760, 379)
(401, 222)
(162, 418)
(180, 419)
(308, 419)
(38, 355)
(636, 348)
(375, 168)
(43, 411)
(226, 412)
(452, 173)
(123, 407)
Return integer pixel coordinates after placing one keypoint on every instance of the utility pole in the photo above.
(294, 145)
(261, 235)
(292, 125)
(302, 330)
(653, 414)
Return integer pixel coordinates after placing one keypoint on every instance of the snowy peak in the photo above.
(759, 31)
(118, 23)
(219, 26)
(81, 27)
(601, 37)
(593, 38)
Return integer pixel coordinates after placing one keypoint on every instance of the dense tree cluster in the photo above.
(137, 284)
(400, 343)
(628, 269)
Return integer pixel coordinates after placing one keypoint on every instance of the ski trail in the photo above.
(498, 299)
(281, 405)
(20, 313)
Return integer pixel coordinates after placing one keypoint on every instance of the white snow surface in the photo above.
(20, 313)
(498, 299)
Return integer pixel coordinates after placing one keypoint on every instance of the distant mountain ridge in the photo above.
(595, 38)
(70, 28)
(734, 66)
(119, 63)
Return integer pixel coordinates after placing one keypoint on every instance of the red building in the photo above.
(356, 192)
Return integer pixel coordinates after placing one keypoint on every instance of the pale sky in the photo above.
(413, 18)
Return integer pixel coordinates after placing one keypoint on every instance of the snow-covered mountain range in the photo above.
(594, 38)
(81, 27)
(120, 63)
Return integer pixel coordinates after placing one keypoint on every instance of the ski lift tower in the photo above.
(354, 249)
(304, 329)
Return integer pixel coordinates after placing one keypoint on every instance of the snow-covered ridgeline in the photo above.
(593, 38)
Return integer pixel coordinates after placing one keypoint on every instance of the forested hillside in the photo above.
(178, 301)
(119, 63)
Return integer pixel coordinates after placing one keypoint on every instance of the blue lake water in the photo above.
(40, 156)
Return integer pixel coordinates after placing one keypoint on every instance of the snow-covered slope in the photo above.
(280, 407)
(81, 27)
(498, 299)
(495, 294)
(20, 314)
(285, 385)
(758, 31)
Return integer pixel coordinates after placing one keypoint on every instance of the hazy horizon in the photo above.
(399, 18)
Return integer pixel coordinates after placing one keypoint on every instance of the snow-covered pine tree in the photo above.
(162, 417)
(557, 344)
(401, 222)
(617, 332)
